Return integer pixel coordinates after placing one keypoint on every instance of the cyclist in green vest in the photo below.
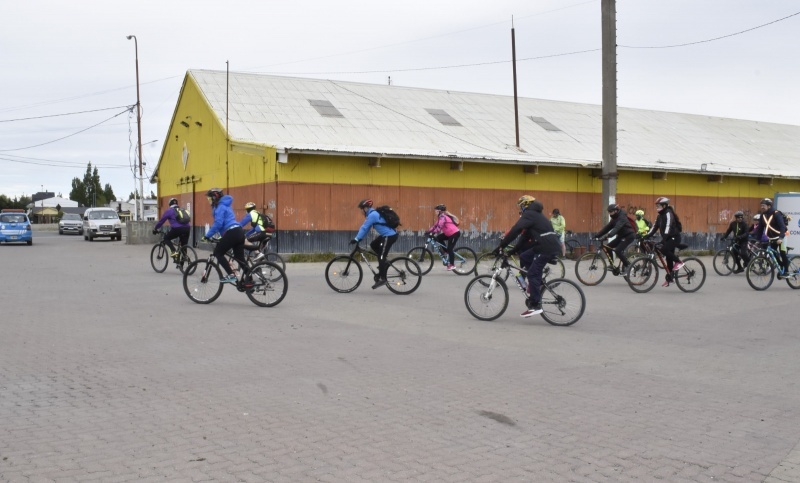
(642, 224)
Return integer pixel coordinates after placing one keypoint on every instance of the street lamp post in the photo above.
(139, 127)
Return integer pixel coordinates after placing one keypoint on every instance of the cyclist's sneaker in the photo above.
(677, 266)
(535, 310)
(228, 279)
(451, 267)
(175, 255)
(665, 284)
(258, 258)
(379, 283)
(739, 270)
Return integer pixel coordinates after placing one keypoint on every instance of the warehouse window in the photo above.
(325, 108)
(443, 117)
(544, 123)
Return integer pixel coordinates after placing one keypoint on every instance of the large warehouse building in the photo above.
(307, 150)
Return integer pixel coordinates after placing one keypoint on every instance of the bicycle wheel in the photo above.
(486, 297)
(188, 255)
(269, 284)
(691, 276)
(159, 257)
(760, 273)
(276, 259)
(563, 302)
(403, 275)
(201, 281)
(556, 270)
(486, 265)
(570, 246)
(724, 262)
(465, 260)
(423, 257)
(343, 274)
(642, 275)
(794, 272)
(590, 268)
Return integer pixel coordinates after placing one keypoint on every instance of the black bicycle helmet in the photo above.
(766, 201)
(365, 203)
(441, 208)
(173, 201)
(214, 194)
(612, 208)
(739, 214)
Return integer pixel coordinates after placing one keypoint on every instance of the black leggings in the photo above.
(233, 238)
(381, 247)
(670, 244)
(181, 232)
(451, 243)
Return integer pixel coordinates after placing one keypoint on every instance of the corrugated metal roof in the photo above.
(396, 121)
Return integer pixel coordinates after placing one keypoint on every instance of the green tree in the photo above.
(108, 193)
(78, 192)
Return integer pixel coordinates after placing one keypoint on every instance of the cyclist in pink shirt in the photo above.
(446, 228)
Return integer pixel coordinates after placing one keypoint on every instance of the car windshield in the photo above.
(102, 215)
(71, 216)
(12, 218)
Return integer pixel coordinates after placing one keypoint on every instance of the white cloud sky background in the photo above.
(61, 57)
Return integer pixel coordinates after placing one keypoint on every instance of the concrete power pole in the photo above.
(609, 166)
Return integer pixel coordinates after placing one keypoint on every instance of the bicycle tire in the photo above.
(591, 268)
(202, 283)
(557, 270)
(642, 275)
(724, 262)
(760, 273)
(486, 265)
(423, 257)
(563, 302)
(691, 276)
(486, 297)
(343, 274)
(570, 246)
(794, 270)
(269, 284)
(465, 260)
(188, 255)
(403, 275)
(159, 258)
(276, 259)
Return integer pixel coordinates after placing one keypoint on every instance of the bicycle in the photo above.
(487, 263)
(161, 254)
(255, 252)
(760, 272)
(724, 262)
(571, 244)
(264, 283)
(592, 267)
(344, 274)
(486, 296)
(643, 272)
(465, 258)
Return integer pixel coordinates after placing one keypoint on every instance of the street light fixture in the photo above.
(140, 215)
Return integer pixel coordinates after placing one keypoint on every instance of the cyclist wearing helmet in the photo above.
(668, 224)
(445, 229)
(259, 230)
(382, 243)
(738, 228)
(178, 229)
(619, 227)
(642, 224)
(226, 225)
(560, 227)
(545, 247)
(772, 229)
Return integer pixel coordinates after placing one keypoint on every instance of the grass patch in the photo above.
(309, 257)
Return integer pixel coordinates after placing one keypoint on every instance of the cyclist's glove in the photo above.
(155, 232)
(497, 251)
(205, 239)
(353, 241)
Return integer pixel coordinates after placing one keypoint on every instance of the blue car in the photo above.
(15, 227)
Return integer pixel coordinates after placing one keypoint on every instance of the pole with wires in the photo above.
(140, 214)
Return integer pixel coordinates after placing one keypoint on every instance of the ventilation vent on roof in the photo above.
(325, 108)
(544, 123)
(443, 117)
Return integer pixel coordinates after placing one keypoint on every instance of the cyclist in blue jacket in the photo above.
(382, 243)
(226, 225)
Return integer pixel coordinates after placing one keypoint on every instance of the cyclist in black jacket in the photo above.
(545, 247)
(738, 228)
(669, 226)
(621, 227)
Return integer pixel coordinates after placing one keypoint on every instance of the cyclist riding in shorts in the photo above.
(226, 225)
(178, 229)
(380, 245)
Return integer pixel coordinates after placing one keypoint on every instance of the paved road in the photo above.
(110, 373)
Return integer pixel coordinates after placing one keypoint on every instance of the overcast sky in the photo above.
(64, 57)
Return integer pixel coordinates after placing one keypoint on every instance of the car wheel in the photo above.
(30, 242)
(60, 232)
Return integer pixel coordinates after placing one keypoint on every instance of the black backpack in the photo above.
(389, 216)
(182, 215)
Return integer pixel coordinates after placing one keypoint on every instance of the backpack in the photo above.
(266, 222)
(389, 216)
(182, 215)
(678, 225)
(634, 226)
(453, 218)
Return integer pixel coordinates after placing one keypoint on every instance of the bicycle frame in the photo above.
(439, 249)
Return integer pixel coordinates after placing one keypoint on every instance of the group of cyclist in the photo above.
(768, 226)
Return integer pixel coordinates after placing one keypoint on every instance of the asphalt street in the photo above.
(110, 373)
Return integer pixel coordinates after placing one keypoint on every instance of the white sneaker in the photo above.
(531, 312)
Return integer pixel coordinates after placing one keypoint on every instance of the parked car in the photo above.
(70, 223)
(101, 222)
(15, 227)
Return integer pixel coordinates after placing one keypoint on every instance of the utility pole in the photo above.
(609, 44)
(139, 127)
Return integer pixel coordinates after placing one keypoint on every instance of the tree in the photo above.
(78, 192)
(108, 193)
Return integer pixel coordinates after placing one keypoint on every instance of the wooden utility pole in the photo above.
(609, 166)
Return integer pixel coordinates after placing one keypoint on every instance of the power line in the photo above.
(64, 114)
(55, 164)
(709, 40)
(67, 136)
